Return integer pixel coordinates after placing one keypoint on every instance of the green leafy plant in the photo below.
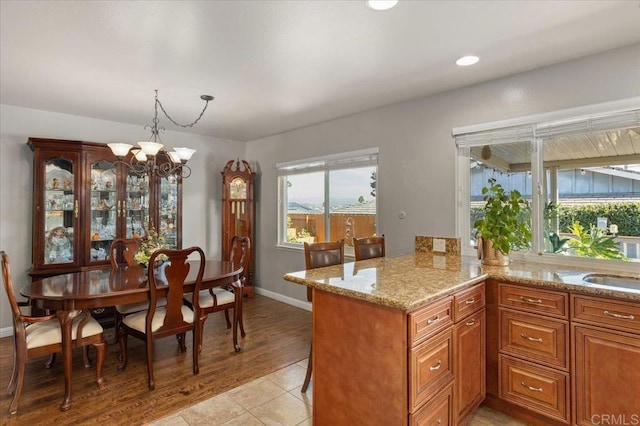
(148, 246)
(593, 243)
(506, 222)
(550, 215)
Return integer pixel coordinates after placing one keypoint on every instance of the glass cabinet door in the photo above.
(168, 210)
(60, 211)
(104, 208)
(136, 206)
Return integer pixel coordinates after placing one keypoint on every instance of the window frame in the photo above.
(326, 164)
(534, 129)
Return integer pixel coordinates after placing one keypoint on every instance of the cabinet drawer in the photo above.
(430, 367)
(435, 412)
(552, 303)
(536, 388)
(428, 320)
(534, 338)
(468, 301)
(609, 313)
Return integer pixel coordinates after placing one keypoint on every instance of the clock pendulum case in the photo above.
(238, 213)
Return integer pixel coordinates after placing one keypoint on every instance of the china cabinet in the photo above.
(83, 199)
(238, 212)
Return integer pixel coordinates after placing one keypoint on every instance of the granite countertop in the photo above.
(409, 281)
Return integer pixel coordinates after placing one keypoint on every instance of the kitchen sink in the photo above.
(609, 280)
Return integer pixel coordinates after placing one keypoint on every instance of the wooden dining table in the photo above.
(69, 293)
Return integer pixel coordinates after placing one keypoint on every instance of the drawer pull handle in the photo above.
(530, 300)
(532, 389)
(431, 321)
(436, 367)
(533, 339)
(471, 301)
(613, 314)
(470, 322)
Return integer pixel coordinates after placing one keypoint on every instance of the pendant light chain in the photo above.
(205, 98)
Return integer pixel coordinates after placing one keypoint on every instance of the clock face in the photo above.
(238, 189)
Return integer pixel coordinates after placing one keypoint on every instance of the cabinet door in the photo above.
(168, 206)
(57, 210)
(430, 367)
(606, 376)
(103, 211)
(136, 205)
(469, 364)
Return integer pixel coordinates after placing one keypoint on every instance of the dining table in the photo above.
(70, 293)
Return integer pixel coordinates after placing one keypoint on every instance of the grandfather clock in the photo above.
(238, 214)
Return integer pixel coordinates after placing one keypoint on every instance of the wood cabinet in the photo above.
(376, 365)
(83, 200)
(533, 344)
(469, 362)
(606, 376)
(238, 213)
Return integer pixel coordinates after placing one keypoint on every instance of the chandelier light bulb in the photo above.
(175, 158)
(120, 149)
(184, 153)
(150, 148)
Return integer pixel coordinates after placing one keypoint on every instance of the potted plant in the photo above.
(505, 226)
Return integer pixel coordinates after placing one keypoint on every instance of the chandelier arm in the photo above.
(183, 125)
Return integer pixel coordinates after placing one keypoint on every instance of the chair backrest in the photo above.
(317, 255)
(173, 274)
(369, 247)
(8, 286)
(128, 248)
(240, 254)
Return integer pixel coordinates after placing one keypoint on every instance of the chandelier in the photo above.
(152, 158)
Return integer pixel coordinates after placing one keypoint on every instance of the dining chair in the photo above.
(174, 318)
(125, 249)
(37, 336)
(318, 255)
(368, 247)
(216, 299)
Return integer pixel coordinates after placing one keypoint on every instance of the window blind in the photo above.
(347, 160)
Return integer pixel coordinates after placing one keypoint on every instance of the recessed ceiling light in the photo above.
(381, 4)
(467, 60)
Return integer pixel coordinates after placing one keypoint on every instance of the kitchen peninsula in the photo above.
(401, 340)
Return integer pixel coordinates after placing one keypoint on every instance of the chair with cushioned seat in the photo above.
(125, 249)
(368, 247)
(38, 336)
(318, 255)
(174, 318)
(218, 299)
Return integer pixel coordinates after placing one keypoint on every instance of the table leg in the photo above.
(66, 324)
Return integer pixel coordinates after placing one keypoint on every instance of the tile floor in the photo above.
(275, 399)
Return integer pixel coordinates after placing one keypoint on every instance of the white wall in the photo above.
(201, 192)
(416, 164)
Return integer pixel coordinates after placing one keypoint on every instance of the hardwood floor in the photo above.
(278, 335)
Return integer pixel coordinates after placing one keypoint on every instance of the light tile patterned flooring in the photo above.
(275, 399)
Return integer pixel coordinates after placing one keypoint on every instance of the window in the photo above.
(328, 198)
(581, 175)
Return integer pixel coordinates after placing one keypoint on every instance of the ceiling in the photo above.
(279, 65)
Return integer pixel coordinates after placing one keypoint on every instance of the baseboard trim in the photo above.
(6, 332)
(285, 299)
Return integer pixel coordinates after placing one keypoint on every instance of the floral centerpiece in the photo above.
(148, 246)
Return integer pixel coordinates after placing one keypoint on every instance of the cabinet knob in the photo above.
(532, 389)
(620, 316)
(431, 321)
(436, 367)
(532, 339)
